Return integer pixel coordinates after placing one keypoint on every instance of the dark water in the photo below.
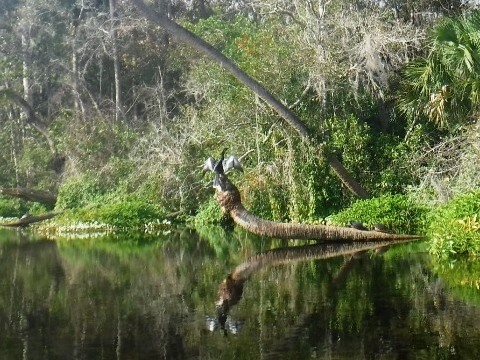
(153, 297)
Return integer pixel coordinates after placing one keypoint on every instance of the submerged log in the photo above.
(229, 198)
(30, 219)
(42, 197)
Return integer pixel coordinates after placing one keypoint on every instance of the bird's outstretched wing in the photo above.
(210, 164)
(232, 163)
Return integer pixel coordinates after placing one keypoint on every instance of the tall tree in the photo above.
(116, 58)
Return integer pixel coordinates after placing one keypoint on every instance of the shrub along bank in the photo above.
(398, 213)
(454, 228)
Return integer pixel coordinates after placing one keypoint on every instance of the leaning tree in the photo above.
(185, 35)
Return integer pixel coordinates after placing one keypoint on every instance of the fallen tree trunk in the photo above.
(229, 199)
(42, 197)
(30, 220)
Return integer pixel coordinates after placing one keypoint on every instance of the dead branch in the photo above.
(25, 221)
(42, 197)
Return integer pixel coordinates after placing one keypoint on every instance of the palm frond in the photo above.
(444, 86)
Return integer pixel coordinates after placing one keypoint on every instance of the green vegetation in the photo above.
(115, 214)
(397, 212)
(12, 207)
(443, 86)
(15, 208)
(209, 213)
(394, 99)
(130, 213)
(455, 227)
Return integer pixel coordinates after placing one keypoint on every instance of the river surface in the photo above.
(138, 296)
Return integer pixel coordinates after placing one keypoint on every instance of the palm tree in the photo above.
(444, 86)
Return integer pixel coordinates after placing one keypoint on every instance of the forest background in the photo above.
(117, 116)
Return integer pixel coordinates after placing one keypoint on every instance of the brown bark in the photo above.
(27, 63)
(207, 49)
(344, 175)
(174, 215)
(39, 196)
(76, 17)
(230, 200)
(277, 230)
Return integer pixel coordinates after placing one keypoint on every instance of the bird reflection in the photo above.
(230, 325)
(229, 294)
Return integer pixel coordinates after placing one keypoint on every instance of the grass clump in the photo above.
(455, 227)
(129, 214)
(14, 208)
(398, 212)
(88, 203)
(119, 214)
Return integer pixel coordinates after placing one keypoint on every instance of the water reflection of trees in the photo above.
(140, 297)
(115, 297)
(365, 306)
(231, 289)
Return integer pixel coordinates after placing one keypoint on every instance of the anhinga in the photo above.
(221, 166)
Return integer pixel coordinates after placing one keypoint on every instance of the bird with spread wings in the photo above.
(222, 166)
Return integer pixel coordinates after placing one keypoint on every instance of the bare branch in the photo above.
(32, 118)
